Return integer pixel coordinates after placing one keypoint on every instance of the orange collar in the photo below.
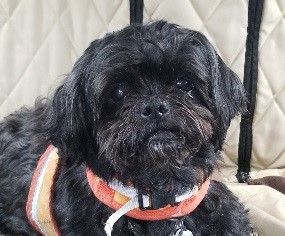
(116, 200)
(124, 200)
(39, 202)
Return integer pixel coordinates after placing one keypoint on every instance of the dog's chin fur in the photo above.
(148, 104)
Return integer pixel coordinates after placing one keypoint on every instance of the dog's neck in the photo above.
(125, 200)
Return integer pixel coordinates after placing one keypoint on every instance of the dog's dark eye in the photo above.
(184, 85)
(119, 92)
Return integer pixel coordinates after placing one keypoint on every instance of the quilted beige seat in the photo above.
(41, 39)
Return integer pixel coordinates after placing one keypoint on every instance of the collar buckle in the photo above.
(157, 199)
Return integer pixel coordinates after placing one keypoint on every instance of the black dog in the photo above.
(150, 105)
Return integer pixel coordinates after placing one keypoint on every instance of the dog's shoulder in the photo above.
(222, 212)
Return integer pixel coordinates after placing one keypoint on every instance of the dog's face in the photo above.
(150, 104)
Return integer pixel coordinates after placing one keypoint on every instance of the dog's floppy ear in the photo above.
(70, 123)
(229, 97)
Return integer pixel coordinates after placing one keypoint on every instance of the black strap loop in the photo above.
(255, 8)
(136, 11)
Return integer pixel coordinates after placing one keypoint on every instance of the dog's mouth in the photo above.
(166, 155)
(168, 147)
(168, 138)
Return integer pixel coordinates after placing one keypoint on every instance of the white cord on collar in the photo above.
(133, 203)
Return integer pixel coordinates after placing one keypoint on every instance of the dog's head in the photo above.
(151, 104)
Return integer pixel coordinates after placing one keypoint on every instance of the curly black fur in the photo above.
(152, 105)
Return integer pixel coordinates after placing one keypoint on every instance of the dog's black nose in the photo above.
(155, 110)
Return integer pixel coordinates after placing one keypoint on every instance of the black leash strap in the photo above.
(255, 8)
(136, 11)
